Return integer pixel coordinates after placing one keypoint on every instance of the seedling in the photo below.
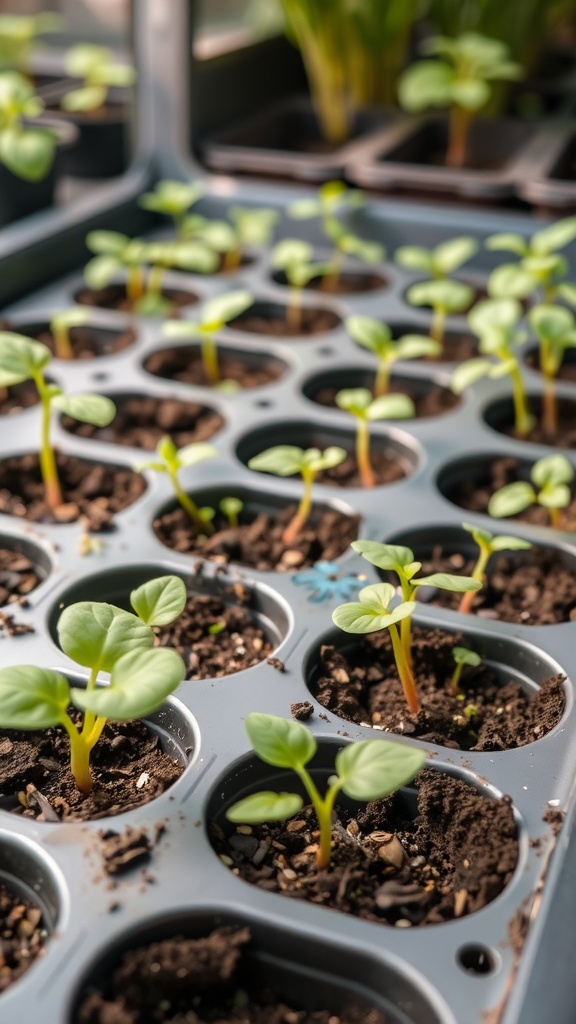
(377, 338)
(495, 322)
(247, 226)
(26, 150)
(360, 404)
(488, 544)
(22, 359)
(551, 477)
(98, 69)
(334, 199)
(214, 314)
(555, 328)
(458, 77)
(444, 297)
(462, 656)
(231, 508)
(440, 262)
(287, 460)
(365, 770)
(372, 611)
(170, 460)
(540, 265)
(102, 638)
(174, 199)
(116, 252)
(60, 326)
(18, 35)
(294, 257)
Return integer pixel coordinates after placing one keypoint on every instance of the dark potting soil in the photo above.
(349, 282)
(456, 348)
(361, 684)
(433, 402)
(129, 769)
(22, 935)
(565, 435)
(475, 492)
(202, 980)
(141, 421)
(313, 321)
(567, 371)
(18, 576)
(392, 862)
(258, 543)
(114, 297)
(18, 397)
(89, 341)
(387, 467)
(214, 638)
(185, 364)
(532, 587)
(90, 491)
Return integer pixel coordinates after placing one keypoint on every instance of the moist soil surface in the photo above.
(259, 543)
(312, 321)
(564, 436)
(432, 402)
(532, 587)
(392, 862)
(91, 491)
(360, 683)
(206, 980)
(475, 492)
(88, 341)
(387, 466)
(349, 282)
(129, 769)
(141, 422)
(18, 576)
(185, 364)
(22, 935)
(18, 397)
(114, 297)
(216, 638)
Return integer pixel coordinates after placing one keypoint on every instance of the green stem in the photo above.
(405, 673)
(460, 121)
(382, 382)
(48, 469)
(155, 277)
(134, 284)
(455, 681)
(478, 573)
(522, 418)
(323, 808)
(438, 325)
(363, 453)
(79, 756)
(210, 358)
(62, 345)
(188, 505)
(303, 510)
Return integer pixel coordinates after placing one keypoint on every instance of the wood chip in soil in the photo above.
(201, 980)
(313, 321)
(122, 851)
(141, 421)
(18, 576)
(392, 862)
(215, 637)
(360, 683)
(88, 341)
(114, 297)
(259, 544)
(129, 769)
(22, 935)
(433, 402)
(91, 491)
(185, 364)
(535, 587)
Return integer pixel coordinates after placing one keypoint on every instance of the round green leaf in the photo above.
(265, 806)
(508, 242)
(190, 454)
(20, 357)
(281, 460)
(280, 741)
(223, 308)
(552, 469)
(511, 281)
(452, 296)
(354, 401)
(463, 656)
(371, 769)
(412, 346)
(470, 93)
(555, 237)
(511, 499)
(371, 613)
(506, 542)
(371, 334)
(96, 409)
(428, 83)
(556, 496)
(449, 256)
(32, 697)
(391, 407)
(383, 556)
(447, 581)
(99, 271)
(291, 250)
(140, 681)
(159, 601)
(96, 634)
(494, 313)
(551, 323)
(414, 257)
(89, 97)
(468, 373)
(27, 152)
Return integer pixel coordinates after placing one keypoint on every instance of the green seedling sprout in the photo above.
(377, 338)
(26, 150)
(462, 656)
(555, 328)
(444, 297)
(365, 770)
(231, 508)
(457, 76)
(372, 611)
(540, 267)
(174, 199)
(294, 257)
(360, 404)
(98, 69)
(170, 460)
(551, 478)
(335, 199)
(60, 326)
(440, 262)
(18, 35)
(102, 638)
(287, 460)
(214, 315)
(247, 226)
(22, 359)
(488, 544)
(495, 322)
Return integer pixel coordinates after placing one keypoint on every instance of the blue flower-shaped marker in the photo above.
(324, 582)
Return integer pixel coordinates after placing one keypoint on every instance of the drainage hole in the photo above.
(263, 403)
(99, 376)
(325, 350)
(476, 959)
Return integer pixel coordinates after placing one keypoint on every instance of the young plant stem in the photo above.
(210, 358)
(155, 277)
(454, 684)
(79, 757)
(323, 808)
(303, 511)
(478, 573)
(363, 453)
(330, 281)
(62, 345)
(549, 405)
(522, 417)
(438, 326)
(405, 672)
(382, 382)
(460, 121)
(231, 259)
(189, 506)
(294, 309)
(134, 284)
(555, 518)
(52, 489)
